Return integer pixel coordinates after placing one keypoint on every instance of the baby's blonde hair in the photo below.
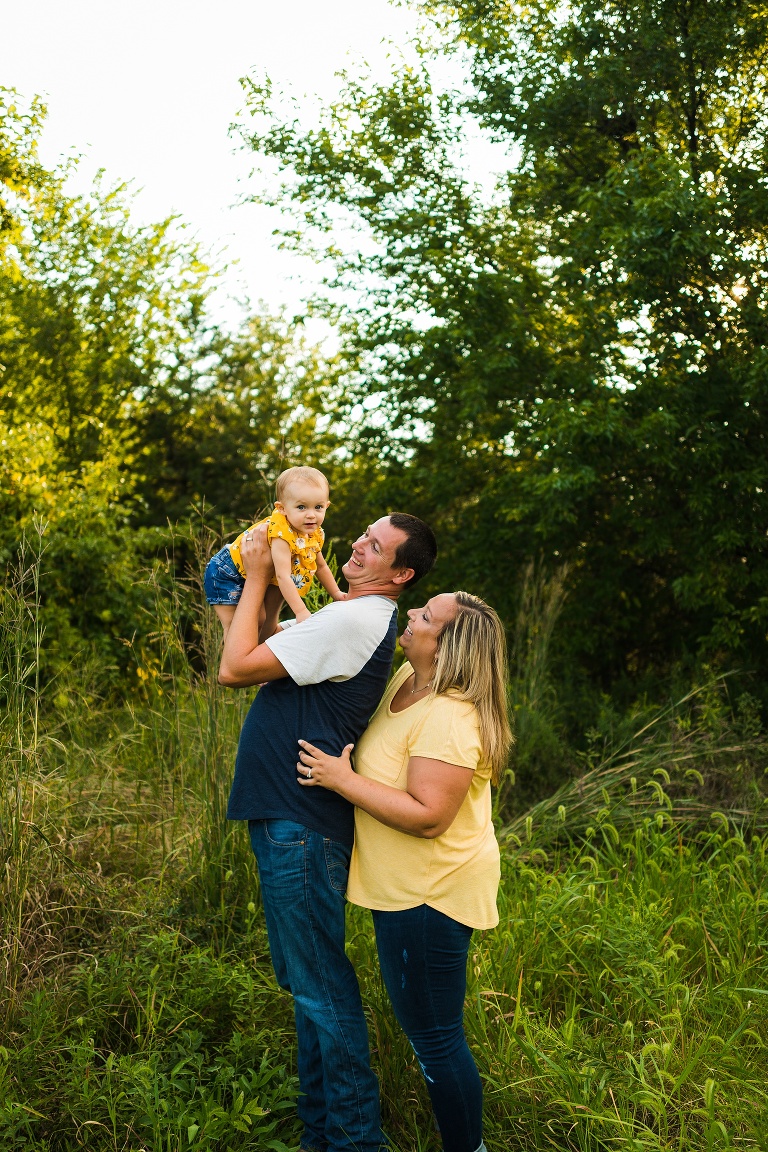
(472, 663)
(299, 475)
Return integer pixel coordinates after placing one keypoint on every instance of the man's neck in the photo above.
(391, 591)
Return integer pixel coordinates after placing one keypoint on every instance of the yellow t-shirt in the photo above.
(456, 873)
(304, 550)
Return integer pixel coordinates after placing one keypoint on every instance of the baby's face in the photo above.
(304, 507)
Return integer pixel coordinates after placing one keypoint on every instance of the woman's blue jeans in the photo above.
(303, 878)
(423, 959)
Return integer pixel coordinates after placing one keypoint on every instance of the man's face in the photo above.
(373, 554)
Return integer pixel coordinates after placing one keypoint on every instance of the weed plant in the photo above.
(621, 1004)
(542, 757)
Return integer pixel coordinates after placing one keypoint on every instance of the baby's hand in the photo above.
(341, 596)
(302, 615)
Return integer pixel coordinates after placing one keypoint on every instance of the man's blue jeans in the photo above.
(303, 880)
(423, 959)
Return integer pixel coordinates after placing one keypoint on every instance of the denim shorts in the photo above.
(223, 583)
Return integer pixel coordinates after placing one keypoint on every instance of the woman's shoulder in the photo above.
(452, 704)
(449, 730)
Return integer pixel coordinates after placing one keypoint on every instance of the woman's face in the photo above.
(419, 640)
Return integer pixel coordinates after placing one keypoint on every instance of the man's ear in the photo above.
(403, 576)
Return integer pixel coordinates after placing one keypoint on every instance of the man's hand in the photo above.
(256, 553)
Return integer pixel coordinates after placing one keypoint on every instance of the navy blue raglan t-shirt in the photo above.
(338, 664)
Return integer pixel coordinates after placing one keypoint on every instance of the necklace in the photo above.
(415, 690)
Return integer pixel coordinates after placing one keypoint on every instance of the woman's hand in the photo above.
(316, 767)
(256, 553)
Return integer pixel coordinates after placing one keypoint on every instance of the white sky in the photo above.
(147, 90)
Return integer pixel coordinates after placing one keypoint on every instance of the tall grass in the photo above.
(44, 894)
(541, 757)
(677, 766)
(205, 722)
(20, 641)
(621, 1004)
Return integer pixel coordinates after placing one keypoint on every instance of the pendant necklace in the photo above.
(414, 690)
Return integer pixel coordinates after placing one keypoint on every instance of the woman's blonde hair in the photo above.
(471, 662)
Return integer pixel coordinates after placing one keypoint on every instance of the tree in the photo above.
(264, 401)
(93, 311)
(577, 370)
(20, 168)
(122, 404)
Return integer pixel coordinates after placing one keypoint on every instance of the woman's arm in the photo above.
(244, 661)
(281, 558)
(434, 793)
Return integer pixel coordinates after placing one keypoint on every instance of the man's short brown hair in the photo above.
(418, 550)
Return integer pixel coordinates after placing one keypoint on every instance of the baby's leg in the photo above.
(273, 602)
(225, 612)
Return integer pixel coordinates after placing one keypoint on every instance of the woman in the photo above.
(426, 859)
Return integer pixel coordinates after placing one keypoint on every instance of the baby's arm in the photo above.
(281, 558)
(325, 576)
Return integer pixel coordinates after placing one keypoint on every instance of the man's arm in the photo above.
(244, 661)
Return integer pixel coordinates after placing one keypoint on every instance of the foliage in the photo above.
(628, 1011)
(265, 399)
(575, 369)
(620, 1000)
(94, 309)
(136, 1063)
(20, 168)
(122, 405)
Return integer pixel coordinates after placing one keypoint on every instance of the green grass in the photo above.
(621, 1004)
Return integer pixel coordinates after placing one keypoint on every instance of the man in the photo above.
(322, 682)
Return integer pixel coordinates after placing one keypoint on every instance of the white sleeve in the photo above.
(336, 642)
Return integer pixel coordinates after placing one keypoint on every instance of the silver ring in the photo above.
(309, 773)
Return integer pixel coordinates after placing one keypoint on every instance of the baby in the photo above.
(295, 538)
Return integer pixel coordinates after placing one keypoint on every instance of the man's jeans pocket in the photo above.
(285, 833)
(337, 857)
(290, 848)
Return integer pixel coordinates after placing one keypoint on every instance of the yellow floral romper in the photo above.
(304, 550)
